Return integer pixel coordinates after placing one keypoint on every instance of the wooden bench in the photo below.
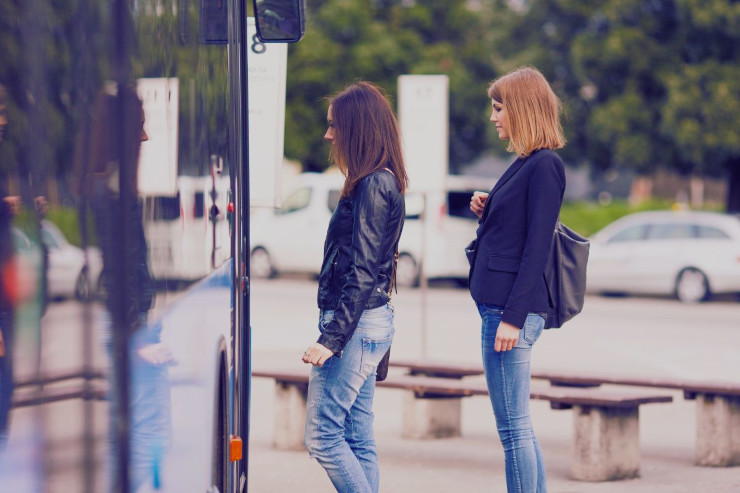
(606, 431)
(717, 408)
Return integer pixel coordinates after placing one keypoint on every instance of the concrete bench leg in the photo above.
(717, 430)
(430, 417)
(290, 415)
(607, 443)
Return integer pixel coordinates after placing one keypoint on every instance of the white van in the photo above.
(184, 244)
(437, 228)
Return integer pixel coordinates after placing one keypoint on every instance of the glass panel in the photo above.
(296, 201)
(113, 116)
(632, 233)
(458, 205)
(671, 232)
(711, 232)
(333, 200)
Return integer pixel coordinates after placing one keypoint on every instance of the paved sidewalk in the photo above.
(474, 462)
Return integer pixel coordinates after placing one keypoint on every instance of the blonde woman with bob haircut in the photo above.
(508, 257)
(356, 317)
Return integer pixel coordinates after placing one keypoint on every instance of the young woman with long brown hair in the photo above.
(356, 320)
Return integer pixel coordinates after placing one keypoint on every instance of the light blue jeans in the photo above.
(508, 375)
(339, 415)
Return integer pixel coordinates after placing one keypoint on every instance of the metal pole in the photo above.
(241, 330)
(423, 281)
(120, 328)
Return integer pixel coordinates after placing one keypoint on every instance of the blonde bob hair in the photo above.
(532, 108)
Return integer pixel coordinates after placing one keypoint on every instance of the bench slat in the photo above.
(688, 386)
(577, 379)
(434, 386)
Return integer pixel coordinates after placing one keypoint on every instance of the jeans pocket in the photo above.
(373, 351)
(532, 330)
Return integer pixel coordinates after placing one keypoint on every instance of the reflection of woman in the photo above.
(114, 149)
(7, 274)
(514, 236)
(7, 281)
(356, 321)
(109, 180)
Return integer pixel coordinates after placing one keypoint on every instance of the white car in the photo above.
(291, 239)
(68, 274)
(690, 255)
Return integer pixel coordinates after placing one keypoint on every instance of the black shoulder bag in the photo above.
(565, 275)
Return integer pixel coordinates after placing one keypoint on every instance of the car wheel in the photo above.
(82, 286)
(407, 272)
(260, 264)
(692, 286)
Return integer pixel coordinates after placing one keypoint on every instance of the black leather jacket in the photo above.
(358, 255)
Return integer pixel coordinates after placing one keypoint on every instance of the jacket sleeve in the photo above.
(370, 216)
(545, 196)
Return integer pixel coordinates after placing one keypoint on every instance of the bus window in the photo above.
(133, 352)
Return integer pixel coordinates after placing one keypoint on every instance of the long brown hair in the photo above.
(366, 135)
(533, 110)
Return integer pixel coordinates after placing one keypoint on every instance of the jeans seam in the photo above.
(515, 461)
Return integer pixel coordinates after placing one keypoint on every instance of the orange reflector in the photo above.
(235, 448)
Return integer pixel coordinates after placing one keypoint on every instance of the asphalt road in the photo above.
(639, 336)
(656, 336)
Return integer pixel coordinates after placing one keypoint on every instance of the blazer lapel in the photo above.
(511, 171)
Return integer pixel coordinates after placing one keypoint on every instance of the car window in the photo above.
(199, 206)
(632, 233)
(711, 232)
(296, 201)
(458, 204)
(414, 204)
(671, 231)
(166, 208)
(332, 200)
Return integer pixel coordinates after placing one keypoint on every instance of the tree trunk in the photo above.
(733, 187)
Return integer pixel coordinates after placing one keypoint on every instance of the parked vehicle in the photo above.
(187, 238)
(69, 274)
(689, 255)
(291, 238)
(440, 238)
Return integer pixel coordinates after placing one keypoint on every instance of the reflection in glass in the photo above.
(279, 20)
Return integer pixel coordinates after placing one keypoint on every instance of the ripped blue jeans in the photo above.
(339, 416)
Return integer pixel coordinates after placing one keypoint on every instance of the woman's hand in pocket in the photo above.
(507, 337)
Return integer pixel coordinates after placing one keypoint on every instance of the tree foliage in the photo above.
(349, 40)
(651, 83)
(645, 83)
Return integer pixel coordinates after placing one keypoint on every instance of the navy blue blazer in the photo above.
(515, 236)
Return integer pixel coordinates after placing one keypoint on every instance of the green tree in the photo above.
(379, 40)
(47, 67)
(646, 84)
(702, 108)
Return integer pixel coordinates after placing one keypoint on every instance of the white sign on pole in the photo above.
(423, 113)
(267, 72)
(158, 155)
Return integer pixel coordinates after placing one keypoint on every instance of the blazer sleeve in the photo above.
(545, 196)
(370, 217)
